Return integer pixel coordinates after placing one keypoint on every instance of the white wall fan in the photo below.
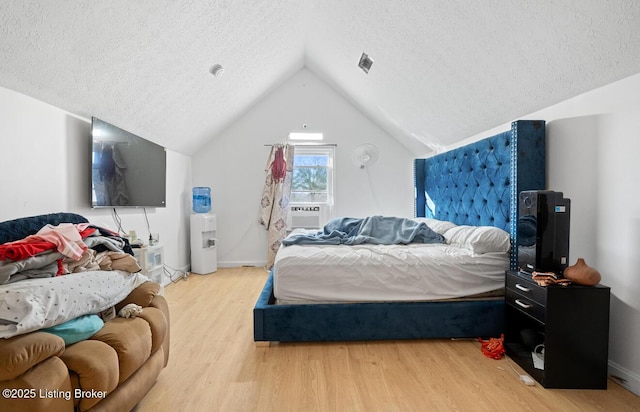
(365, 155)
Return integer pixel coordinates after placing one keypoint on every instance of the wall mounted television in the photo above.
(126, 170)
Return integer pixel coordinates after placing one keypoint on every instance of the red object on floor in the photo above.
(493, 348)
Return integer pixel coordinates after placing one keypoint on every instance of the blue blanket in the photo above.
(377, 230)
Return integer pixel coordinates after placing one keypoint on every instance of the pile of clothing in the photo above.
(63, 249)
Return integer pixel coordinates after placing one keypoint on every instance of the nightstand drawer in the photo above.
(525, 305)
(527, 288)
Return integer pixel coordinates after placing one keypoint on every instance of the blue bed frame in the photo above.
(477, 184)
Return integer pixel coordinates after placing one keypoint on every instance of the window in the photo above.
(312, 175)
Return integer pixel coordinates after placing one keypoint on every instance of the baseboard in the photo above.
(238, 263)
(626, 378)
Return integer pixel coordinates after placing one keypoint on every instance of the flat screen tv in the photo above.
(126, 170)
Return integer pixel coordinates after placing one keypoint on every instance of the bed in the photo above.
(474, 185)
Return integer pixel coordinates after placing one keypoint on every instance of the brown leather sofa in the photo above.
(111, 371)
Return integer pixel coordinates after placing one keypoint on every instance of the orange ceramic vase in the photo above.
(582, 274)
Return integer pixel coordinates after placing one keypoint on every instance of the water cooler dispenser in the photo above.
(204, 257)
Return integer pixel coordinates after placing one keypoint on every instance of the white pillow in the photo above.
(438, 226)
(479, 239)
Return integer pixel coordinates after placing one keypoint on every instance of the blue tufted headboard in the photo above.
(478, 184)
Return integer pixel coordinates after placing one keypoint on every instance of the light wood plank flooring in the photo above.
(214, 365)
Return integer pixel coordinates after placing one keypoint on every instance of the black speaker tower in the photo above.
(543, 231)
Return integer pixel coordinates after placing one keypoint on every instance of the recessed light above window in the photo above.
(365, 63)
(306, 136)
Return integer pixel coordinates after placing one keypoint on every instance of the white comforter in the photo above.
(33, 304)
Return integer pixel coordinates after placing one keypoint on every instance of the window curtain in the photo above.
(275, 197)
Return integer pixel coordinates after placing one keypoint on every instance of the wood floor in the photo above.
(214, 365)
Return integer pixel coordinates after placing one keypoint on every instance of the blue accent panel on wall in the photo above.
(478, 184)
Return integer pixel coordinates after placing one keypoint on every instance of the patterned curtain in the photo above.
(275, 197)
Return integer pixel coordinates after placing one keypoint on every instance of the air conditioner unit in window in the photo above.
(308, 216)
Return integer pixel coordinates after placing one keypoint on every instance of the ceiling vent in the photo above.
(365, 63)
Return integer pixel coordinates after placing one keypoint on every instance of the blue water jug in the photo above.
(201, 199)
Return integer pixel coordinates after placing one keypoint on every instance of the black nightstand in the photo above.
(571, 323)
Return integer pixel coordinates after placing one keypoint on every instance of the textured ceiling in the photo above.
(443, 70)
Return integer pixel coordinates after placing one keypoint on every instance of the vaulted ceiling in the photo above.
(442, 71)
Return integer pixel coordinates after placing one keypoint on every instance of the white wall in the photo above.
(233, 164)
(593, 143)
(45, 169)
